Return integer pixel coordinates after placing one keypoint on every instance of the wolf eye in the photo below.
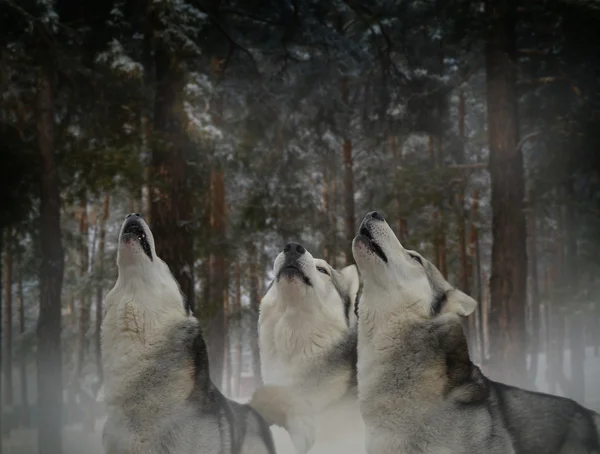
(417, 258)
(322, 270)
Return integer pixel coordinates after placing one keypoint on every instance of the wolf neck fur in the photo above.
(306, 332)
(141, 310)
(295, 337)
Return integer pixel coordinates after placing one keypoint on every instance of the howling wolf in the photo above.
(418, 390)
(158, 393)
(307, 333)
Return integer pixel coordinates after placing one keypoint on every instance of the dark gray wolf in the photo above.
(418, 390)
(157, 389)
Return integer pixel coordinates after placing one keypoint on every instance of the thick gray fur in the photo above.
(158, 392)
(207, 422)
(419, 392)
(472, 413)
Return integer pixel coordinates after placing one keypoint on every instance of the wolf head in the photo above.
(306, 283)
(140, 267)
(399, 279)
(136, 243)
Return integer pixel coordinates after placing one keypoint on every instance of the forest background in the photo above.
(236, 126)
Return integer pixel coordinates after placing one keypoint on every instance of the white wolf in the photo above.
(307, 336)
(157, 389)
(419, 391)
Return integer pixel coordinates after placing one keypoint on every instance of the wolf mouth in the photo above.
(293, 270)
(135, 229)
(364, 232)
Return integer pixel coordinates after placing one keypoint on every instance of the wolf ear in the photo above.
(350, 274)
(460, 303)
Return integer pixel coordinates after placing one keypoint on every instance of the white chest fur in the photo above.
(135, 326)
(292, 342)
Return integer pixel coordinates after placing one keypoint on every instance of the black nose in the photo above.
(293, 249)
(133, 214)
(376, 215)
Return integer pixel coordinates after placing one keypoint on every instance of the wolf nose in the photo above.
(376, 215)
(133, 214)
(293, 249)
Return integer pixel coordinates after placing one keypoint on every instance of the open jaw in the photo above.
(134, 230)
(291, 270)
(368, 239)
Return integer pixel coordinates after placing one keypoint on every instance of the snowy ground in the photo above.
(74, 442)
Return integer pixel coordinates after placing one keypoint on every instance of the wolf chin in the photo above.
(418, 390)
(307, 338)
(157, 389)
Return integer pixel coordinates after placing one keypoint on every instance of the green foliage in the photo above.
(272, 113)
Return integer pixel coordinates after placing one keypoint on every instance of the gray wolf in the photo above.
(307, 340)
(157, 390)
(418, 390)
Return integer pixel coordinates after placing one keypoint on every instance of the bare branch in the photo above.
(228, 36)
(542, 80)
(533, 51)
(527, 138)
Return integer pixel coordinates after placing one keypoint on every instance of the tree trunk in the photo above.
(558, 322)
(461, 231)
(170, 205)
(334, 210)
(1, 337)
(577, 320)
(482, 310)
(8, 320)
(226, 333)
(327, 228)
(22, 358)
(217, 212)
(475, 270)
(441, 233)
(462, 242)
(462, 215)
(206, 279)
(71, 310)
(254, 307)
(509, 256)
(534, 343)
(84, 300)
(146, 190)
(436, 212)
(349, 217)
(49, 355)
(99, 282)
(397, 153)
(214, 309)
(226, 379)
(238, 357)
(238, 288)
(461, 221)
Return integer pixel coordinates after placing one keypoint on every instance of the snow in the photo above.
(116, 57)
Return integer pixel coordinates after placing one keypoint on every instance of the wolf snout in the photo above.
(133, 224)
(375, 215)
(293, 250)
